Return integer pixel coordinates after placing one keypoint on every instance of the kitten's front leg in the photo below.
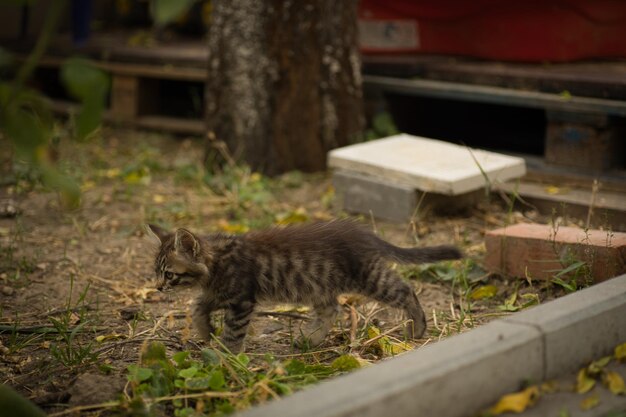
(202, 309)
(236, 321)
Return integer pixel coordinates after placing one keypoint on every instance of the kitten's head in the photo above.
(180, 260)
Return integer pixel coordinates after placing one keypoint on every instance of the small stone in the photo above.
(129, 312)
(8, 291)
(93, 389)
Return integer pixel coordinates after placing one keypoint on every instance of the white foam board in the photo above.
(427, 164)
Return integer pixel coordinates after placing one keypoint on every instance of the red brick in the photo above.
(537, 251)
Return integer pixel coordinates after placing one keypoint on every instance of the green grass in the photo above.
(68, 348)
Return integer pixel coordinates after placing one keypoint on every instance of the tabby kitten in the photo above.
(307, 264)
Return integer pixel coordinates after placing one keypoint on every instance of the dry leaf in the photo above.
(584, 383)
(590, 402)
(614, 382)
(158, 198)
(516, 402)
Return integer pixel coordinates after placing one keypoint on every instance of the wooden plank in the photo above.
(609, 208)
(600, 79)
(155, 122)
(124, 97)
(495, 95)
(172, 124)
(169, 72)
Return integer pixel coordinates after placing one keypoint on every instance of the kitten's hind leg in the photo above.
(236, 321)
(315, 332)
(388, 288)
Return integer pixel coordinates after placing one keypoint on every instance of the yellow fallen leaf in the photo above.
(552, 190)
(372, 332)
(232, 227)
(549, 387)
(486, 291)
(590, 402)
(299, 215)
(388, 346)
(596, 367)
(393, 347)
(584, 383)
(87, 185)
(111, 173)
(112, 336)
(158, 198)
(516, 402)
(620, 352)
(614, 382)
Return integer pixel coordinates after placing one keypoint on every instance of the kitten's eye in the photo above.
(168, 275)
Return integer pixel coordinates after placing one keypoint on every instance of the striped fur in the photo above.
(306, 264)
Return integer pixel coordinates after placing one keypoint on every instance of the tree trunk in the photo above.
(284, 82)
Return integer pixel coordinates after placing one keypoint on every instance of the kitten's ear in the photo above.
(156, 233)
(186, 242)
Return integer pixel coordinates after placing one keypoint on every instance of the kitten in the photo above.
(306, 264)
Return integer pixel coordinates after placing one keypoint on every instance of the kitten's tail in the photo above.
(421, 255)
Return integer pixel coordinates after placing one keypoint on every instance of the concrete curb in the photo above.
(466, 373)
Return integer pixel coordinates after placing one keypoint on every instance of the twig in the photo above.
(375, 338)
(283, 314)
(46, 329)
(354, 321)
(594, 191)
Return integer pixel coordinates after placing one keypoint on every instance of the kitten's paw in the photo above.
(234, 347)
(306, 342)
(415, 331)
(205, 331)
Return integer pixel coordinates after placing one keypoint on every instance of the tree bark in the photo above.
(284, 81)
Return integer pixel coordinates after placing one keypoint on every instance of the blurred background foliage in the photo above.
(26, 117)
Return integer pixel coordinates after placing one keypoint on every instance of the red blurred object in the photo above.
(526, 30)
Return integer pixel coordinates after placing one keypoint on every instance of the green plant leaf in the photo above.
(201, 383)
(295, 367)
(345, 363)
(243, 359)
(138, 374)
(574, 266)
(165, 11)
(188, 373)
(89, 85)
(14, 404)
(180, 358)
(153, 353)
(217, 380)
(209, 357)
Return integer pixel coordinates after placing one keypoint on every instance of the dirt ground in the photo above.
(78, 304)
